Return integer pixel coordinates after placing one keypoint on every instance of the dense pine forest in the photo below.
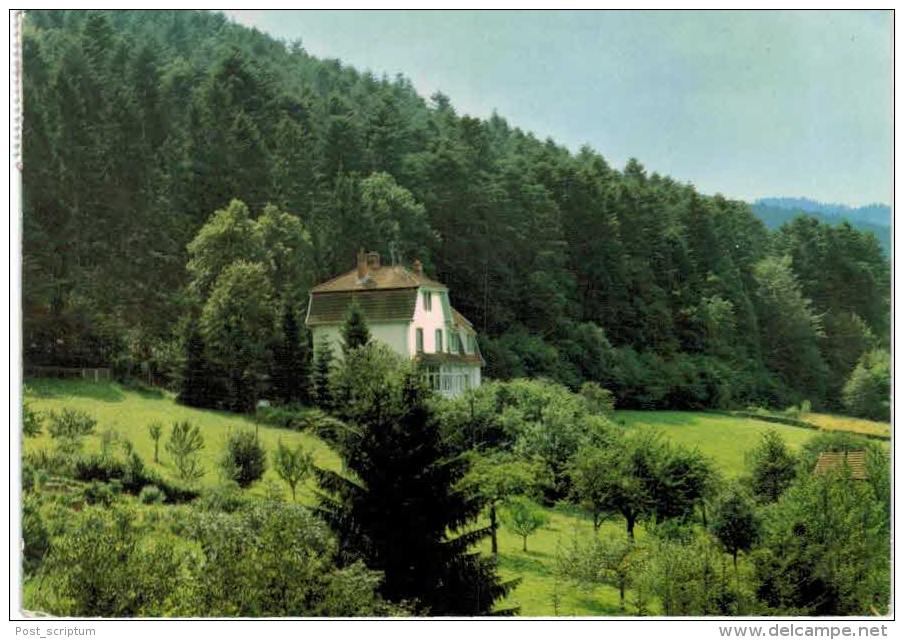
(140, 125)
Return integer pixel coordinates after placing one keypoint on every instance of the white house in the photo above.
(405, 310)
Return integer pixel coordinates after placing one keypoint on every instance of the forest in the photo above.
(140, 125)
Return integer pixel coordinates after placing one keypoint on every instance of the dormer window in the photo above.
(428, 301)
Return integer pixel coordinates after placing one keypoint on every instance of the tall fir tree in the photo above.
(291, 369)
(195, 390)
(402, 513)
(355, 333)
(321, 384)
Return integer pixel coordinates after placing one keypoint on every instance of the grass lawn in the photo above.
(831, 422)
(129, 412)
(536, 569)
(723, 438)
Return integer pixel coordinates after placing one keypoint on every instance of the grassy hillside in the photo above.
(723, 438)
(129, 412)
(831, 422)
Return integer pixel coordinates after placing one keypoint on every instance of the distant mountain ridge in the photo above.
(874, 218)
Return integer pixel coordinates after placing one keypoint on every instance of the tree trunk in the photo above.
(629, 524)
(597, 522)
(493, 527)
(524, 544)
(621, 595)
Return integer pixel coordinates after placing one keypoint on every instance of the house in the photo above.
(405, 310)
(831, 461)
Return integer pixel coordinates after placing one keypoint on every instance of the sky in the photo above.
(745, 103)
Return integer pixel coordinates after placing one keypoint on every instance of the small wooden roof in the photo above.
(835, 460)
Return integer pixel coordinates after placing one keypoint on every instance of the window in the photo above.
(419, 339)
(439, 340)
(433, 377)
(428, 301)
(456, 342)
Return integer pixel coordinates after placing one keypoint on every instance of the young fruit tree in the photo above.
(523, 517)
(293, 465)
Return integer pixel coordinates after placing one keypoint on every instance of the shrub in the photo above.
(32, 421)
(151, 494)
(226, 497)
(68, 427)
(598, 399)
(35, 537)
(100, 493)
(286, 416)
(184, 445)
(102, 565)
(245, 459)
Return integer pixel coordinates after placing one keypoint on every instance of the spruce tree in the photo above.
(354, 332)
(195, 390)
(290, 374)
(401, 513)
(323, 362)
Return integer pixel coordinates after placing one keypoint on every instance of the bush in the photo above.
(226, 497)
(100, 493)
(245, 459)
(68, 427)
(286, 416)
(129, 471)
(103, 565)
(32, 421)
(151, 494)
(598, 399)
(35, 537)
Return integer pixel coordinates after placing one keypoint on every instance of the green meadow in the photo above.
(725, 439)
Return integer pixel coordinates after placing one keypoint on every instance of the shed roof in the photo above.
(834, 460)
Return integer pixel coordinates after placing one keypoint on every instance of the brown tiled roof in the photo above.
(380, 305)
(385, 277)
(835, 460)
(450, 358)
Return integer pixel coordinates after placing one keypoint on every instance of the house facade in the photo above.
(405, 310)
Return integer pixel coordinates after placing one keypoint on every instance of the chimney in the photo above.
(418, 267)
(362, 265)
(373, 260)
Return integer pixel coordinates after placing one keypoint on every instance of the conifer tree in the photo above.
(290, 375)
(195, 390)
(323, 362)
(401, 513)
(354, 332)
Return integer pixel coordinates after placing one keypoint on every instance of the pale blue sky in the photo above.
(749, 104)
